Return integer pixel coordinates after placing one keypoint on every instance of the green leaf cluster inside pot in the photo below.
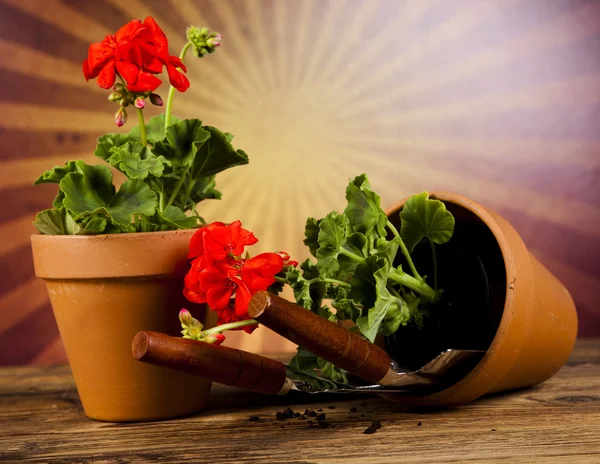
(357, 268)
(166, 178)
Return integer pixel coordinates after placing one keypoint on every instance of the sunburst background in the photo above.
(498, 100)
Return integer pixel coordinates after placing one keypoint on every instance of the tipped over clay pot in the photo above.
(531, 322)
(103, 290)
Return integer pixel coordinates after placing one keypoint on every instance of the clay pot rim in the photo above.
(496, 361)
(103, 237)
(107, 256)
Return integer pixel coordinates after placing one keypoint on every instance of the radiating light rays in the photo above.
(18, 304)
(63, 18)
(330, 12)
(354, 35)
(582, 90)
(530, 43)
(583, 217)
(503, 150)
(243, 49)
(21, 116)
(454, 28)
(301, 45)
(316, 92)
(34, 63)
(377, 43)
(23, 172)
(15, 233)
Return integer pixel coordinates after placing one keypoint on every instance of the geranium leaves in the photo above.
(90, 192)
(136, 161)
(423, 217)
(166, 178)
(364, 210)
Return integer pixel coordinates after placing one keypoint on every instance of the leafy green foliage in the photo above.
(355, 269)
(423, 217)
(166, 179)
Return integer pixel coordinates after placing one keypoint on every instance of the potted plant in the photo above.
(433, 272)
(114, 259)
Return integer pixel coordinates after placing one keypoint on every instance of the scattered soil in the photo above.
(374, 427)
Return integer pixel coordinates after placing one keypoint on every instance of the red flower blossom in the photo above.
(137, 51)
(197, 241)
(220, 277)
(220, 242)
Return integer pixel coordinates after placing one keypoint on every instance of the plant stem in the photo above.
(161, 201)
(177, 187)
(352, 256)
(230, 326)
(140, 115)
(339, 283)
(169, 106)
(433, 254)
(419, 286)
(405, 252)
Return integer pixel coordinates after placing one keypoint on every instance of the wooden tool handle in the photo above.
(320, 336)
(217, 363)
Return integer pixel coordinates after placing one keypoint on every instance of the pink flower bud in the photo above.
(139, 103)
(215, 339)
(156, 100)
(121, 117)
(185, 317)
(214, 42)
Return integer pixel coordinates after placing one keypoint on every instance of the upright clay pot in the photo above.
(538, 322)
(103, 290)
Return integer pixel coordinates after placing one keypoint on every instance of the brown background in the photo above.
(496, 99)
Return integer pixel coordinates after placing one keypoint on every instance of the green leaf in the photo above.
(216, 155)
(155, 129)
(300, 287)
(56, 174)
(96, 225)
(55, 222)
(107, 141)
(136, 161)
(369, 324)
(311, 232)
(347, 309)
(332, 372)
(400, 314)
(304, 360)
(363, 283)
(332, 234)
(422, 217)
(204, 189)
(177, 219)
(134, 197)
(182, 142)
(88, 189)
(329, 267)
(364, 210)
(91, 192)
(388, 248)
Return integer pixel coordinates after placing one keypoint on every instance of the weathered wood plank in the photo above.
(41, 420)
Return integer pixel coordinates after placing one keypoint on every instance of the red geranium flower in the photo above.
(220, 277)
(137, 51)
(220, 242)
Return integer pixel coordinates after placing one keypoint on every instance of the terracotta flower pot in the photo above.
(103, 290)
(536, 322)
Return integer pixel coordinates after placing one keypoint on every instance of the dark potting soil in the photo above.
(471, 273)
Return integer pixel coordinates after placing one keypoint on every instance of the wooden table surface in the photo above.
(41, 420)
